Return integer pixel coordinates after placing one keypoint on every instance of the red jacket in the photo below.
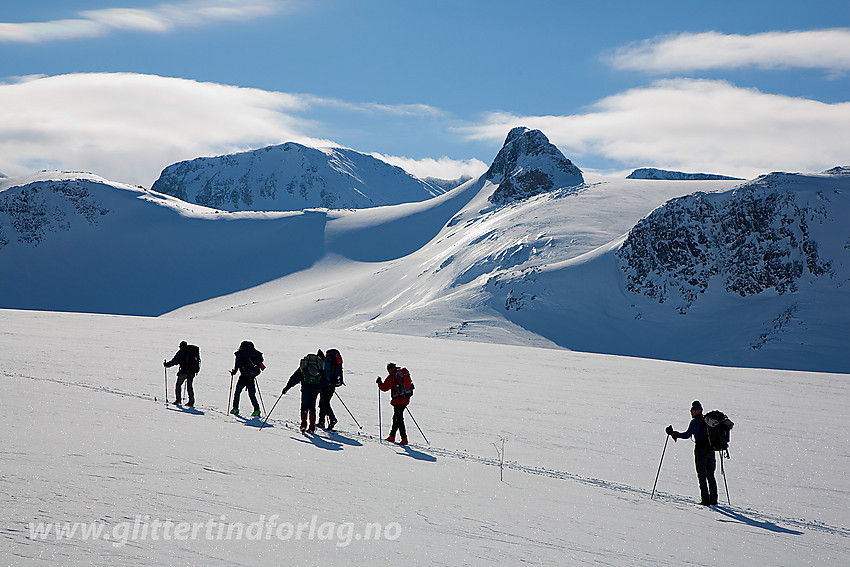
(388, 384)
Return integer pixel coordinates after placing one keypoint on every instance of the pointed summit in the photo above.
(528, 164)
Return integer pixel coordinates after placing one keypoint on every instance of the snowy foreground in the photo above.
(88, 439)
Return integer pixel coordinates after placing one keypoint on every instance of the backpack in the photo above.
(192, 361)
(250, 360)
(718, 426)
(311, 369)
(333, 367)
(250, 369)
(403, 386)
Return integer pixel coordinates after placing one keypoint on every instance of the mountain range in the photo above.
(532, 252)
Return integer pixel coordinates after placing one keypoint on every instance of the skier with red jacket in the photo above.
(401, 387)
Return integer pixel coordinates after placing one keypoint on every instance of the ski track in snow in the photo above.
(733, 513)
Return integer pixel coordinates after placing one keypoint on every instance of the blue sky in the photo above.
(124, 88)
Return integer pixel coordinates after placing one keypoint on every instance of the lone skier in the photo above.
(311, 375)
(703, 454)
(400, 392)
(188, 359)
(333, 379)
(249, 364)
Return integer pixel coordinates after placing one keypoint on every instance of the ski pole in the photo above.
(166, 385)
(268, 414)
(659, 467)
(723, 472)
(380, 427)
(229, 395)
(349, 411)
(417, 425)
(257, 385)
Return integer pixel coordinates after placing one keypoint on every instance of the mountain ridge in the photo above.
(653, 173)
(292, 176)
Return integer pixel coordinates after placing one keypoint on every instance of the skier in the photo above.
(333, 379)
(395, 383)
(249, 363)
(311, 375)
(703, 454)
(188, 358)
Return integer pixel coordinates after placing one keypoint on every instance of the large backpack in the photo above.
(403, 387)
(192, 362)
(333, 367)
(719, 427)
(311, 369)
(249, 359)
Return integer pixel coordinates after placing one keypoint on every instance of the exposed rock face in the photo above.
(30, 212)
(292, 177)
(652, 173)
(756, 238)
(528, 164)
(838, 170)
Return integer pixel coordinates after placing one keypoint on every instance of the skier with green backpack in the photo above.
(311, 375)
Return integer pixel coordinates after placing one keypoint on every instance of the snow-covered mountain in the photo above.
(653, 173)
(778, 233)
(743, 277)
(446, 184)
(751, 277)
(291, 177)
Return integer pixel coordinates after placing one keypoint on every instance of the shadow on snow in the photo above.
(765, 525)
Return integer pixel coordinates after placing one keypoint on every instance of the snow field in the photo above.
(85, 442)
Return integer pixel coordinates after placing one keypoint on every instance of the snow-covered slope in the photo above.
(653, 173)
(85, 443)
(77, 242)
(291, 177)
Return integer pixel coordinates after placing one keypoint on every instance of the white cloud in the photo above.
(443, 168)
(128, 127)
(403, 110)
(696, 126)
(820, 49)
(162, 18)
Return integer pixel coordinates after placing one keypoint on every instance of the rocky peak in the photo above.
(529, 164)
